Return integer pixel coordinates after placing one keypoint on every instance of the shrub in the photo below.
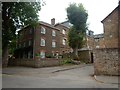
(49, 56)
(66, 61)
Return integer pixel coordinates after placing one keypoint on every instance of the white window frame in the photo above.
(43, 30)
(53, 44)
(29, 42)
(53, 33)
(42, 42)
(42, 54)
(63, 31)
(64, 41)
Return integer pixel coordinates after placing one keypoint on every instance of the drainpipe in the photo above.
(34, 48)
(119, 24)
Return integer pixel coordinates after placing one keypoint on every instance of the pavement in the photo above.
(27, 70)
(107, 79)
(44, 72)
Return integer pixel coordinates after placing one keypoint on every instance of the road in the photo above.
(80, 77)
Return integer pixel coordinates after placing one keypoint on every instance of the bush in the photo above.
(49, 56)
(66, 61)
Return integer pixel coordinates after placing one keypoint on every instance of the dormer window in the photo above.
(43, 30)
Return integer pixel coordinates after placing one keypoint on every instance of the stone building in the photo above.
(110, 25)
(106, 60)
(99, 41)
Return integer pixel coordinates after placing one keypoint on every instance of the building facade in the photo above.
(43, 40)
(106, 60)
(64, 47)
(25, 43)
(111, 26)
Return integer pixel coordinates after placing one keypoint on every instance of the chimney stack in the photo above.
(53, 21)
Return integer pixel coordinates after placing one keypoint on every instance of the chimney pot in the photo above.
(53, 21)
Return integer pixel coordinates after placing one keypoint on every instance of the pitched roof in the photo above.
(109, 14)
(99, 36)
(49, 25)
(64, 22)
(61, 25)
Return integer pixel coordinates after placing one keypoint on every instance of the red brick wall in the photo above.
(48, 40)
(63, 48)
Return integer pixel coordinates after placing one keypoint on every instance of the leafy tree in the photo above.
(77, 16)
(14, 16)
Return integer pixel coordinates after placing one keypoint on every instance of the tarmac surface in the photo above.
(71, 76)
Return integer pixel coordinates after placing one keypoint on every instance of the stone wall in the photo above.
(106, 61)
(85, 56)
(35, 62)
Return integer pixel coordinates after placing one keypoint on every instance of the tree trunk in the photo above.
(75, 52)
(5, 56)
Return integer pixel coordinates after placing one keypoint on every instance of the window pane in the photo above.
(64, 41)
(43, 30)
(53, 33)
(53, 44)
(30, 42)
(63, 31)
(42, 54)
(30, 31)
(42, 42)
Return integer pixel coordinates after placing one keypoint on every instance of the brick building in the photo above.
(64, 29)
(43, 40)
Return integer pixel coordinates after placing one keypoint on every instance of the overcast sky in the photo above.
(97, 11)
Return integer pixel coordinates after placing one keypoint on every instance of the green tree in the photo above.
(14, 16)
(77, 16)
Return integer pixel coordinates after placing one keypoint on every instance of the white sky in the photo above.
(97, 11)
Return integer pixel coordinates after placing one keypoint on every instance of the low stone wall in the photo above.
(83, 55)
(35, 62)
(47, 62)
(106, 61)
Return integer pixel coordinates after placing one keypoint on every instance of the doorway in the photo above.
(92, 61)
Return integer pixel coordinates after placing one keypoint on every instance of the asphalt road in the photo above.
(80, 77)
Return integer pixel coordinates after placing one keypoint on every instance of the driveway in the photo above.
(77, 76)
